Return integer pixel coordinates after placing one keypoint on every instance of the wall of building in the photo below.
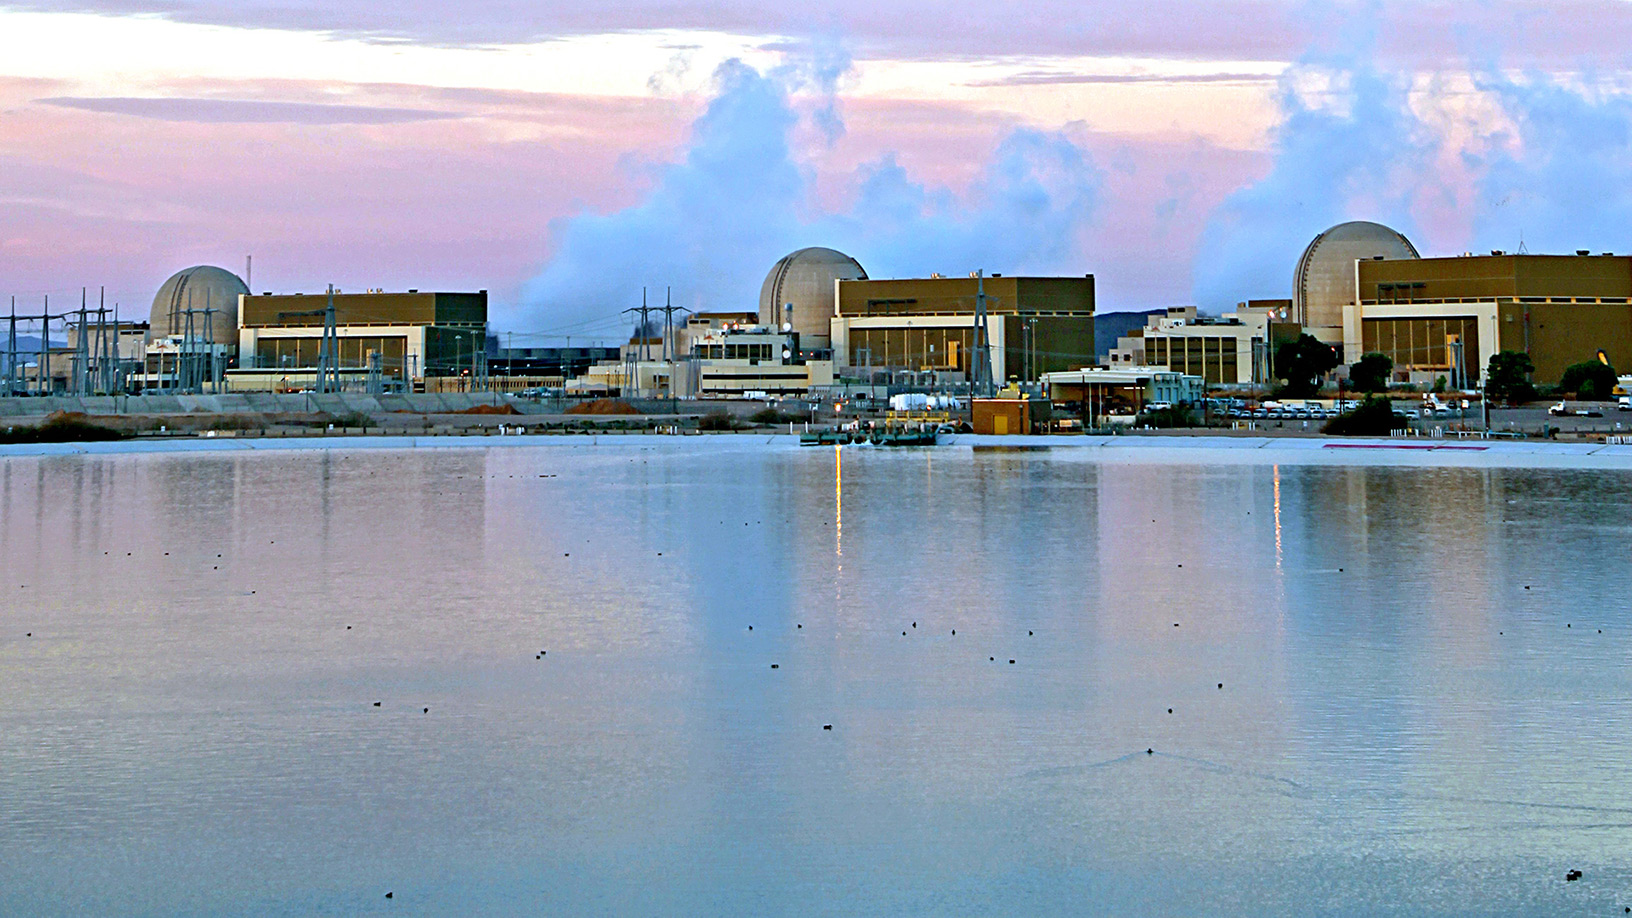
(1492, 276)
(1557, 334)
(958, 295)
(1040, 324)
(413, 308)
(1219, 359)
(1423, 342)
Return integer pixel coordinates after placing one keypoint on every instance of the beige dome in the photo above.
(805, 279)
(199, 288)
(1324, 283)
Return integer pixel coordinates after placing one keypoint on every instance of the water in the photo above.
(1419, 714)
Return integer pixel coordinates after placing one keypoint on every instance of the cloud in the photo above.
(1420, 31)
(1045, 78)
(1455, 161)
(1347, 148)
(1560, 176)
(240, 111)
(716, 220)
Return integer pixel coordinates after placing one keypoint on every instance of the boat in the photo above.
(826, 438)
(904, 438)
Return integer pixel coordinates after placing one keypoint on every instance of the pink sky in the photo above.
(432, 147)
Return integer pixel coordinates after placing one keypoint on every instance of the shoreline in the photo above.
(1252, 450)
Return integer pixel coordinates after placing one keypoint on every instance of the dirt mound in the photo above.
(491, 409)
(603, 406)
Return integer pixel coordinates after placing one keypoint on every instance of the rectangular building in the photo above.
(1035, 325)
(410, 335)
(1449, 315)
(1233, 349)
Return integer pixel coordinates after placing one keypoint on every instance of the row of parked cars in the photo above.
(1315, 412)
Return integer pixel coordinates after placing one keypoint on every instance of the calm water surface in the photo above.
(221, 709)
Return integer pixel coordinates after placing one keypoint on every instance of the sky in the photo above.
(563, 155)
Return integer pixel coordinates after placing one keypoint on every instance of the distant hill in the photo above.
(28, 349)
(1109, 326)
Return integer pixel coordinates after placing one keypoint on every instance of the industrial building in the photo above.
(798, 294)
(193, 335)
(1323, 283)
(545, 363)
(1035, 325)
(1448, 316)
(1233, 349)
(734, 361)
(398, 340)
(1099, 393)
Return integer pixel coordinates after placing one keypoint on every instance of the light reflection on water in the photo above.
(1406, 724)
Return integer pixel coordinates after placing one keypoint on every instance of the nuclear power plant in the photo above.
(823, 323)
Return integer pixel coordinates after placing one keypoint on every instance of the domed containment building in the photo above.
(1325, 278)
(198, 289)
(806, 281)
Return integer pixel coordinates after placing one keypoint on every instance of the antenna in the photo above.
(1522, 250)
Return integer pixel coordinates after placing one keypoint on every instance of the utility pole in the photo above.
(45, 348)
(330, 374)
(981, 379)
(671, 348)
(11, 353)
(641, 336)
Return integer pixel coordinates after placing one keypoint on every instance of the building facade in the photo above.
(1233, 349)
(1448, 316)
(1035, 325)
(402, 337)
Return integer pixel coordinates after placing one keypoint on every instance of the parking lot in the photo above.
(1584, 419)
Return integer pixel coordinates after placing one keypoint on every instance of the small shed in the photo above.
(1002, 415)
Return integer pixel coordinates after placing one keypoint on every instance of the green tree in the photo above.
(1303, 363)
(1590, 380)
(1370, 373)
(1507, 379)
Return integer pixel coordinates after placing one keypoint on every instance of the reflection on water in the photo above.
(1369, 689)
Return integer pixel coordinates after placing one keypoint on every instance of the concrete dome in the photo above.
(1324, 282)
(199, 288)
(805, 280)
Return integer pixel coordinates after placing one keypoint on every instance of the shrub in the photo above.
(1590, 380)
(62, 427)
(234, 422)
(770, 415)
(1373, 418)
(718, 420)
(360, 419)
(1177, 416)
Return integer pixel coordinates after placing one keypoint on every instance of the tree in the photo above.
(1590, 380)
(1507, 378)
(1303, 364)
(1370, 373)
